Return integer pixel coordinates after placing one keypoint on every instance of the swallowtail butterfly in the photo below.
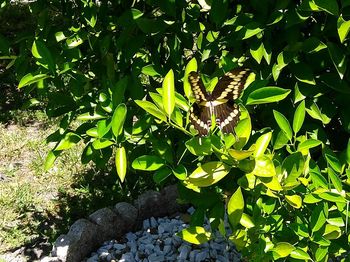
(220, 103)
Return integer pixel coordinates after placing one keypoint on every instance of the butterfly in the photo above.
(220, 103)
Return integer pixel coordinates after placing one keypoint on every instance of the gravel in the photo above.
(157, 242)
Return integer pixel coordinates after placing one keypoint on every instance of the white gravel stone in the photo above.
(157, 242)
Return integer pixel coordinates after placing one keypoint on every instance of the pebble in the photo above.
(163, 244)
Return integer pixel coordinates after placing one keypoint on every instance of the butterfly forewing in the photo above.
(198, 87)
(230, 86)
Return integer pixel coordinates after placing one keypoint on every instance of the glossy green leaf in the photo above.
(162, 174)
(180, 101)
(235, 207)
(29, 79)
(246, 221)
(303, 73)
(300, 254)
(257, 52)
(283, 249)
(332, 197)
(332, 159)
(321, 253)
(50, 159)
(118, 119)
(87, 116)
(195, 235)
(261, 144)
(169, 93)
(343, 28)
(43, 55)
(69, 140)
(280, 141)
(199, 146)
(271, 183)
(338, 57)
(330, 6)
(267, 94)
(102, 143)
(208, 174)
(315, 112)
(180, 172)
(152, 109)
(299, 117)
(309, 143)
(283, 123)
(191, 66)
(293, 167)
(318, 217)
(121, 162)
(149, 70)
(294, 200)
(316, 176)
(147, 163)
(264, 167)
(335, 179)
(241, 154)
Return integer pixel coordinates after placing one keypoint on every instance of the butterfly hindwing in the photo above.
(230, 86)
(201, 119)
(227, 116)
(197, 87)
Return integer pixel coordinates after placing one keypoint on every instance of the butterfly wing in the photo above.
(200, 118)
(230, 86)
(197, 87)
(227, 116)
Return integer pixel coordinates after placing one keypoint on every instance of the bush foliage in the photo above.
(121, 68)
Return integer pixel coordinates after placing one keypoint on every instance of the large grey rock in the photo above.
(78, 243)
(109, 224)
(128, 213)
(149, 204)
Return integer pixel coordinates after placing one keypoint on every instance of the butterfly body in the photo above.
(220, 104)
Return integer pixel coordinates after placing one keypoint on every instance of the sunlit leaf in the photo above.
(235, 207)
(121, 162)
(195, 235)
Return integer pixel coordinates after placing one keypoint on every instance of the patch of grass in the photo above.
(39, 206)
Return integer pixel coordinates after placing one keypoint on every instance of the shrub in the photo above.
(283, 184)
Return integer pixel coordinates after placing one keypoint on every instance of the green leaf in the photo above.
(191, 66)
(330, 6)
(283, 123)
(283, 249)
(249, 30)
(332, 197)
(74, 41)
(180, 101)
(208, 174)
(118, 119)
(294, 200)
(163, 149)
(280, 141)
(318, 217)
(338, 57)
(235, 207)
(241, 154)
(121, 162)
(267, 94)
(246, 221)
(180, 172)
(87, 116)
(293, 166)
(29, 79)
(300, 254)
(102, 143)
(309, 143)
(161, 174)
(261, 144)
(321, 253)
(50, 159)
(118, 90)
(69, 140)
(315, 112)
(243, 128)
(332, 159)
(199, 146)
(257, 52)
(303, 73)
(43, 55)
(299, 117)
(149, 70)
(147, 163)
(335, 180)
(343, 28)
(152, 109)
(264, 167)
(169, 92)
(195, 235)
(219, 10)
(316, 176)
